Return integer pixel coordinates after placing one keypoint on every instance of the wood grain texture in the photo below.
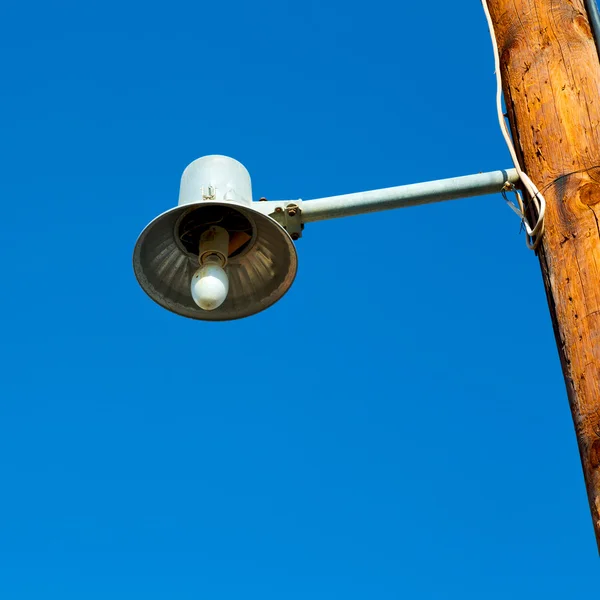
(551, 79)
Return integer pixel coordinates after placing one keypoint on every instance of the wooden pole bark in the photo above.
(551, 83)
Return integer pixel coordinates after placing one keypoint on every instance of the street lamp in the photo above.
(219, 256)
(214, 256)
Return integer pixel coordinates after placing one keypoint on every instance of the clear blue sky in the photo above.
(415, 443)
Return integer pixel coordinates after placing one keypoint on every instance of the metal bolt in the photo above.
(262, 199)
(292, 212)
(279, 209)
(295, 236)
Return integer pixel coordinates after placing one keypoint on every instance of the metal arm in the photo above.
(406, 195)
(395, 197)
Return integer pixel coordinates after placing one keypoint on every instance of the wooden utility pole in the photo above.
(551, 83)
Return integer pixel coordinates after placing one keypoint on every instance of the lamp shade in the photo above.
(261, 262)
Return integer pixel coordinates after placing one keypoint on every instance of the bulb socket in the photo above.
(214, 244)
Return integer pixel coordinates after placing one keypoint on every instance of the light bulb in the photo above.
(210, 285)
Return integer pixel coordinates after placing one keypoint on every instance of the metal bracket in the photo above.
(287, 213)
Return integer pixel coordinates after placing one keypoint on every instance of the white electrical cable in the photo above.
(534, 235)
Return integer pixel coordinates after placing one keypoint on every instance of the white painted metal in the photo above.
(407, 195)
(215, 178)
